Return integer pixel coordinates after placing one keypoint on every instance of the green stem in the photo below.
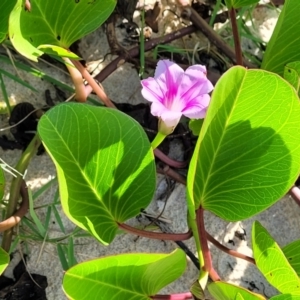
(142, 46)
(16, 186)
(157, 140)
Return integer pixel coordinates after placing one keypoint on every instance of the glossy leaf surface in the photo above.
(4, 260)
(197, 290)
(292, 253)
(55, 22)
(248, 154)
(284, 44)
(6, 6)
(292, 74)
(104, 162)
(58, 51)
(227, 291)
(271, 261)
(135, 276)
(195, 126)
(285, 297)
(239, 297)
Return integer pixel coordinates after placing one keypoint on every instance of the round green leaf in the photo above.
(127, 276)
(284, 44)
(292, 253)
(292, 74)
(4, 260)
(6, 7)
(58, 51)
(104, 162)
(285, 297)
(271, 261)
(195, 126)
(248, 153)
(55, 22)
(239, 297)
(227, 291)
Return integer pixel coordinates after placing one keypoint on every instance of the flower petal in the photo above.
(171, 118)
(197, 107)
(194, 83)
(157, 109)
(168, 75)
(195, 70)
(152, 91)
(174, 92)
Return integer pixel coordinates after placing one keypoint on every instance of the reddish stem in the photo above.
(80, 93)
(16, 218)
(203, 239)
(172, 174)
(134, 52)
(173, 163)
(204, 245)
(229, 251)
(91, 81)
(214, 275)
(236, 37)
(213, 37)
(295, 194)
(27, 5)
(157, 235)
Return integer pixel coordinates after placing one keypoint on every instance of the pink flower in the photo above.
(175, 92)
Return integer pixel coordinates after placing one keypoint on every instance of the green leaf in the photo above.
(58, 51)
(16, 33)
(41, 229)
(248, 153)
(17, 79)
(71, 253)
(292, 74)
(271, 261)
(227, 291)
(4, 260)
(195, 126)
(126, 276)
(58, 219)
(197, 290)
(6, 6)
(105, 165)
(285, 297)
(55, 22)
(292, 253)
(62, 256)
(5, 106)
(36, 73)
(239, 3)
(284, 44)
(239, 297)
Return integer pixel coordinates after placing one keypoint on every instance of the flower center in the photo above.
(174, 104)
